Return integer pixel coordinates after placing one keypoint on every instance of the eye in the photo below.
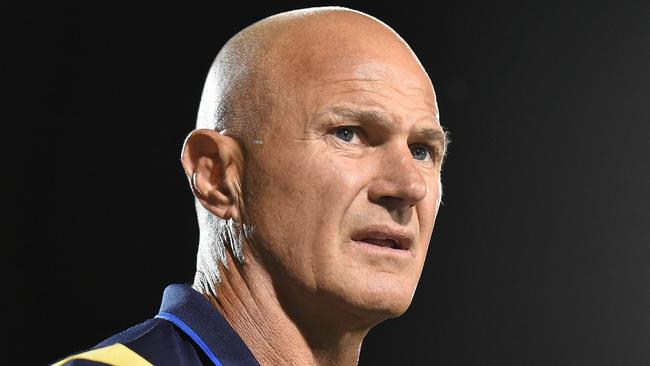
(420, 152)
(345, 133)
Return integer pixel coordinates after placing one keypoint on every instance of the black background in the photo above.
(541, 251)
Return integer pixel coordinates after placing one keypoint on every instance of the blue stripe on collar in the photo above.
(197, 316)
(185, 328)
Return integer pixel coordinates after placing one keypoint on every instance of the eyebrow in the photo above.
(435, 135)
(361, 115)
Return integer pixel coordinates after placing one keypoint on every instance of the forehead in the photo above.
(355, 60)
(370, 66)
(375, 79)
(404, 94)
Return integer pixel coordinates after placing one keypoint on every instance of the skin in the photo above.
(352, 142)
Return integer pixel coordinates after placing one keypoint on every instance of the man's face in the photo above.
(344, 187)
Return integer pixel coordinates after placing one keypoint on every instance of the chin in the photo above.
(381, 300)
(391, 306)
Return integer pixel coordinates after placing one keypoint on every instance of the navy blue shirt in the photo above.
(188, 330)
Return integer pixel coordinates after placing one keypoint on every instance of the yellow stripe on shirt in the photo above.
(115, 354)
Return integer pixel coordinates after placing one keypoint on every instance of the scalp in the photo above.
(265, 63)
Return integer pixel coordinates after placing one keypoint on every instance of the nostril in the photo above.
(391, 202)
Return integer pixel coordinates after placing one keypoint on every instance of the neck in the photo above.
(277, 334)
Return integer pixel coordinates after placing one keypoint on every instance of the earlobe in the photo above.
(213, 164)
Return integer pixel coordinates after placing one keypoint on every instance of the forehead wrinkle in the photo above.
(431, 103)
(401, 90)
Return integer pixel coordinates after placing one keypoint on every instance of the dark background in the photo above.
(541, 252)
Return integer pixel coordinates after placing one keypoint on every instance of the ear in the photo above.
(213, 164)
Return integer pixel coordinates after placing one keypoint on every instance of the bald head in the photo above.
(268, 63)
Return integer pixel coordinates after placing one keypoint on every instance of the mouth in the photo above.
(385, 237)
(387, 243)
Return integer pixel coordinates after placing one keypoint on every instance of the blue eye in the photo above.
(419, 152)
(345, 133)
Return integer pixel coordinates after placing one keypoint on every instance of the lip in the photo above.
(385, 237)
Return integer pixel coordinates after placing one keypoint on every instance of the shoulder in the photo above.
(153, 342)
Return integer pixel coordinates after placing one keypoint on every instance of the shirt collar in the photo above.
(198, 314)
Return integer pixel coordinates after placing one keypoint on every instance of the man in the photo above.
(316, 170)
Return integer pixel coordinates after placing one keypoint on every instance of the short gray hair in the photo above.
(232, 100)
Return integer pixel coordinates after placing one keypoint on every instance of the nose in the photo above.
(398, 182)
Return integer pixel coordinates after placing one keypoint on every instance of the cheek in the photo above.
(296, 201)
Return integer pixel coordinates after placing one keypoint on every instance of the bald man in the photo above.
(315, 168)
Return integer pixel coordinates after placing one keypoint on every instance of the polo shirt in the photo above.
(188, 330)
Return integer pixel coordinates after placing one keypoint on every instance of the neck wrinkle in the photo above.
(247, 300)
